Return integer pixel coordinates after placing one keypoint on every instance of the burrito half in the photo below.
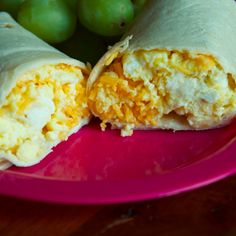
(42, 95)
(174, 69)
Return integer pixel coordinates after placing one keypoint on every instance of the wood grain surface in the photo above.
(207, 211)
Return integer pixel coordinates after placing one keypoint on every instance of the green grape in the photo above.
(84, 45)
(10, 6)
(51, 20)
(106, 17)
(138, 5)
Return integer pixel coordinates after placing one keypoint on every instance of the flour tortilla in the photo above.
(199, 26)
(4, 164)
(20, 52)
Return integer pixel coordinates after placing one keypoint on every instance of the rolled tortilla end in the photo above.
(174, 69)
(5, 164)
(42, 95)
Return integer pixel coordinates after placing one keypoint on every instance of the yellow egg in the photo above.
(41, 110)
(138, 89)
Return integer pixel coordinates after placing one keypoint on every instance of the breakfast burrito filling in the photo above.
(138, 89)
(174, 68)
(42, 96)
(44, 107)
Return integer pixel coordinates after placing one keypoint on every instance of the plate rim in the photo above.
(29, 187)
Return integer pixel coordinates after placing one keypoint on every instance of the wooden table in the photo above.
(204, 212)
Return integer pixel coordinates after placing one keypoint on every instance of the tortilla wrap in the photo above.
(181, 52)
(42, 95)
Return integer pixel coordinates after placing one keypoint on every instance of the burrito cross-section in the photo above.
(42, 95)
(174, 69)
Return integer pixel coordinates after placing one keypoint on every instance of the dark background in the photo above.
(203, 212)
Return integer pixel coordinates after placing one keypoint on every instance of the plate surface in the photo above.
(101, 167)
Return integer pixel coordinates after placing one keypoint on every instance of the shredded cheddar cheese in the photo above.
(42, 109)
(137, 89)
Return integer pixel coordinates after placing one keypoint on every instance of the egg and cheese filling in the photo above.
(41, 110)
(138, 89)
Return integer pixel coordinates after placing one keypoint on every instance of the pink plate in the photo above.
(102, 167)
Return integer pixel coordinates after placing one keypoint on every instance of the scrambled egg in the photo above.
(42, 109)
(138, 89)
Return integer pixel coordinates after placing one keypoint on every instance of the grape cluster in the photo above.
(56, 22)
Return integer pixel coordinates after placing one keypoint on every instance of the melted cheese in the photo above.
(42, 110)
(137, 89)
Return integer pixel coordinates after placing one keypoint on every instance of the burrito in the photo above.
(174, 69)
(4, 164)
(42, 95)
